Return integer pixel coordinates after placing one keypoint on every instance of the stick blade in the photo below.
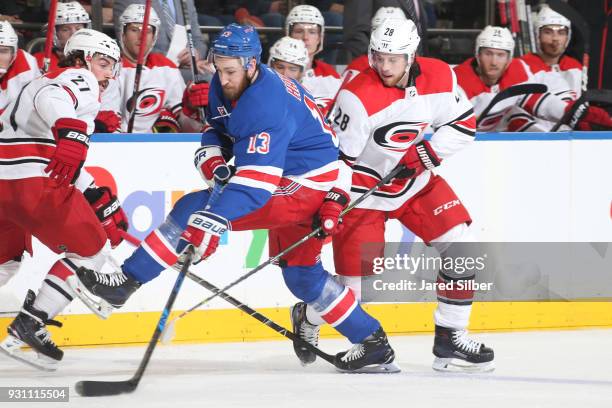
(104, 388)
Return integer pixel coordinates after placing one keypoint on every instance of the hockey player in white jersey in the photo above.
(550, 65)
(493, 70)
(159, 100)
(289, 57)
(306, 23)
(17, 67)
(46, 193)
(380, 119)
(69, 18)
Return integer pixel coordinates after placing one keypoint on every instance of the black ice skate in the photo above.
(113, 289)
(374, 355)
(29, 329)
(308, 332)
(455, 351)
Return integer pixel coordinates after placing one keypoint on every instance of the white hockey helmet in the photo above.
(69, 13)
(134, 13)
(383, 13)
(495, 37)
(72, 13)
(306, 14)
(395, 36)
(8, 38)
(93, 42)
(549, 17)
(290, 50)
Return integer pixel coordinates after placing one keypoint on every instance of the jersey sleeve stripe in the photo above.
(249, 182)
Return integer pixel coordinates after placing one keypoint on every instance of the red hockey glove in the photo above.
(595, 117)
(194, 97)
(203, 231)
(70, 152)
(328, 218)
(107, 122)
(167, 122)
(212, 166)
(109, 212)
(418, 158)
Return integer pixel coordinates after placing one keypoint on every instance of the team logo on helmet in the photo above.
(398, 136)
(149, 102)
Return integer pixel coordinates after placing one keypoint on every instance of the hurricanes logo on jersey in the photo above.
(398, 136)
(149, 102)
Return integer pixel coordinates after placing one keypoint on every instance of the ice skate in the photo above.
(29, 330)
(308, 332)
(456, 352)
(374, 355)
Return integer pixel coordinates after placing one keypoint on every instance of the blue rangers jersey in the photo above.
(273, 131)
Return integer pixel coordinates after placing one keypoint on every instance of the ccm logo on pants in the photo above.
(446, 206)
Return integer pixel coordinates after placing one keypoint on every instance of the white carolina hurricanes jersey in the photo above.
(323, 82)
(563, 79)
(522, 108)
(27, 140)
(23, 70)
(376, 125)
(161, 87)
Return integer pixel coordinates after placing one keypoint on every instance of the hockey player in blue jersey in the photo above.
(286, 163)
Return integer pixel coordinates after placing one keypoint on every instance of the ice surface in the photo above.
(534, 369)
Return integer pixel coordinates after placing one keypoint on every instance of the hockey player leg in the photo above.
(29, 330)
(453, 350)
(155, 254)
(338, 307)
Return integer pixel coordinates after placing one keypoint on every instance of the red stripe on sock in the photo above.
(158, 246)
(341, 308)
(61, 270)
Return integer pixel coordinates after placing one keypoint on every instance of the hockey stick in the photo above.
(515, 26)
(168, 333)
(585, 32)
(276, 258)
(100, 388)
(580, 106)
(516, 90)
(194, 70)
(50, 35)
(503, 17)
(139, 62)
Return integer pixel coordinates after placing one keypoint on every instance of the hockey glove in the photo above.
(70, 152)
(328, 218)
(194, 97)
(203, 231)
(107, 122)
(212, 166)
(594, 118)
(418, 158)
(167, 122)
(109, 212)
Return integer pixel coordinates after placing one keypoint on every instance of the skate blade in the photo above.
(12, 347)
(455, 365)
(388, 368)
(98, 306)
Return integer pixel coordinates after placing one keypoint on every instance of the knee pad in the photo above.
(305, 282)
(9, 269)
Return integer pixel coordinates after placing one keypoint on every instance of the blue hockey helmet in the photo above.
(241, 41)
